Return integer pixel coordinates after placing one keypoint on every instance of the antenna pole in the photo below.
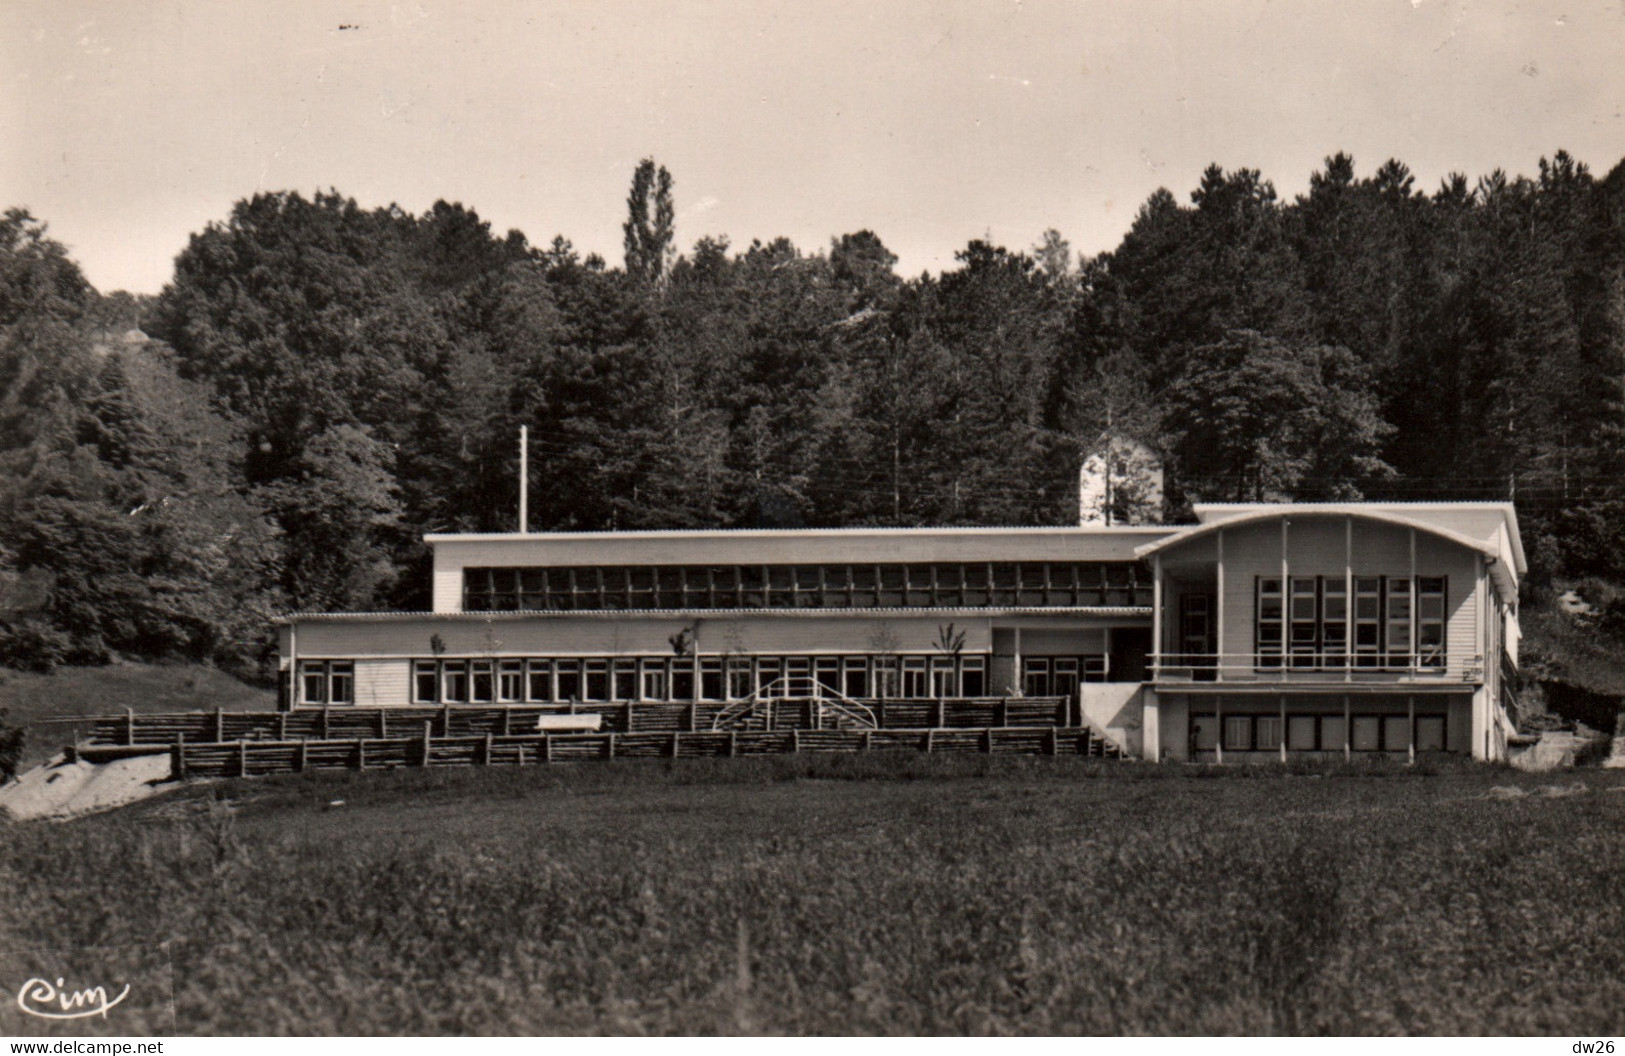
(524, 479)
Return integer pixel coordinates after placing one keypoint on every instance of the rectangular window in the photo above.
(539, 680)
(725, 587)
(1396, 733)
(624, 679)
(669, 593)
(809, 586)
(739, 678)
(1304, 616)
(682, 678)
(711, 687)
(1065, 671)
(1267, 733)
(828, 670)
(655, 680)
(865, 584)
(770, 676)
(1300, 733)
(837, 589)
(425, 679)
(1035, 679)
(1430, 733)
(1238, 733)
(780, 587)
(976, 585)
(893, 580)
(341, 682)
(885, 676)
(1368, 621)
(568, 675)
(1367, 735)
(915, 684)
(1270, 622)
(949, 585)
(855, 677)
(615, 592)
(943, 680)
(511, 681)
(1034, 582)
(454, 682)
(532, 588)
(596, 683)
(1120, 586)
(973, 676)
(314, 677)
(1334, 622)
(1430, 621)
(1399, 616)
(482, 685)
(697, 588)
(1331, 733)
(1005, 580)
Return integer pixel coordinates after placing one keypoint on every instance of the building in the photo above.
(1263, 631)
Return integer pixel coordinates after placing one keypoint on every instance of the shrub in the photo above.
(11, 748)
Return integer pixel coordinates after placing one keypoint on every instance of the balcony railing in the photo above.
(1274, 669)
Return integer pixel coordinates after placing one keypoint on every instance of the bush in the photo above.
(11, 748)
(32, 644)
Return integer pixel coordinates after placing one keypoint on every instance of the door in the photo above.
(1129, 648)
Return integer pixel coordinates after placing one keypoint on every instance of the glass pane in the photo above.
(1331, 733)
(568, 673)
(539, 679)
(1367, 733)
(1300, 733)
(1238, 732)
(1430, 733)
(1267, 728)
(1396, 733)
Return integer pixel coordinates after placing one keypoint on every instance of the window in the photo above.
(425, 681)
(1004, 585)
(624, 679)
(1430, 621)
(739, 678)
(454, 682)
(829, 672)
(1064, 680)
(1367, 735)
(481, 685)
(1270, 635)
(973, 676)
(539, 680)
(1334, 621)
(1367, 621)
(655, 680)
(1396, 733)
(855, 676)
(943, 681)
(1331, 733)
(711, 687)
(682, 678)
(1430, 733)
(327, 681)
(1035, 678)
(915, 686)
(1267, 733)
(1305, 621)
(568, 676)
(1238, 733)
(533, 588)
(885, 676)
(1300, 733)
(596, 683)
(1398, 626)
(511, 681)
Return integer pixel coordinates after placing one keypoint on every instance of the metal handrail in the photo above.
(1261, 667)
(784, 688)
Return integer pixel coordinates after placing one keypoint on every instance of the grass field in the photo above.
(857, 894)
(39, 702)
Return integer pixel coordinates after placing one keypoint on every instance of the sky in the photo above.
(931, 122)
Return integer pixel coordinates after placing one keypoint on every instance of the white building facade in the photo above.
(1260, 632)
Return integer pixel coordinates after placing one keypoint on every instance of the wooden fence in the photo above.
(352, 723)
(244, 758)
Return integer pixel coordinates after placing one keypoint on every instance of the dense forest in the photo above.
(320, 384)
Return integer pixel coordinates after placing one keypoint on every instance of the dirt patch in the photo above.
(60, 789)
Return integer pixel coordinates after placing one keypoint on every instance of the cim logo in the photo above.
(40, 998)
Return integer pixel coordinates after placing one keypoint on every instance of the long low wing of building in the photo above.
(1262, 630)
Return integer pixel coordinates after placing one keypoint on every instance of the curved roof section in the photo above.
(1505, 578)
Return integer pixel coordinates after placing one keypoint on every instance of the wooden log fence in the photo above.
(249, 758)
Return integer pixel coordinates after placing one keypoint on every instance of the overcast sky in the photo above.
(130, 125)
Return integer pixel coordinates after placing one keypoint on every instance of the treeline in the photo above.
(323, 384)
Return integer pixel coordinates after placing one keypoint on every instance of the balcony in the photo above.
(1266, 669)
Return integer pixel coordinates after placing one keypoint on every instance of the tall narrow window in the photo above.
(481, 685)
(1334, 622)
(893, 581)
(624, 679)
(538, 680)
(1064, 681)
(1430, 621)
(1368, 621)
(682, 678)
(885, 676)
(511, 681)
(596, 683)
(1399, 616)
(314, 677)
(1238, 733)
(568, 675)
(915, 684)
(425, 680)
(973, 676)
(454, 681)
(1004, 585)
(655, 683)
(1270, 622)
(532, 588)
(1267, 733)
(739, 681)
(855, 676)
(1305, 633)
(1035, 680)
(829, 672)
(837, 591)
(711, 679)
(943, 681)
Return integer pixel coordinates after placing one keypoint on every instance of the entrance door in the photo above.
(1129, 648)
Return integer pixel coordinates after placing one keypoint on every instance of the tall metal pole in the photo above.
(524, 479)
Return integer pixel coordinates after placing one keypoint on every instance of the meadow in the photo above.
(808, 895)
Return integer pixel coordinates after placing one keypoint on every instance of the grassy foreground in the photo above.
(857, 894)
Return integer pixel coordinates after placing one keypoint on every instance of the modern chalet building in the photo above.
(1263, 631)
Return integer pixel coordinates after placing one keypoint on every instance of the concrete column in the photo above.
(1151, 726)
